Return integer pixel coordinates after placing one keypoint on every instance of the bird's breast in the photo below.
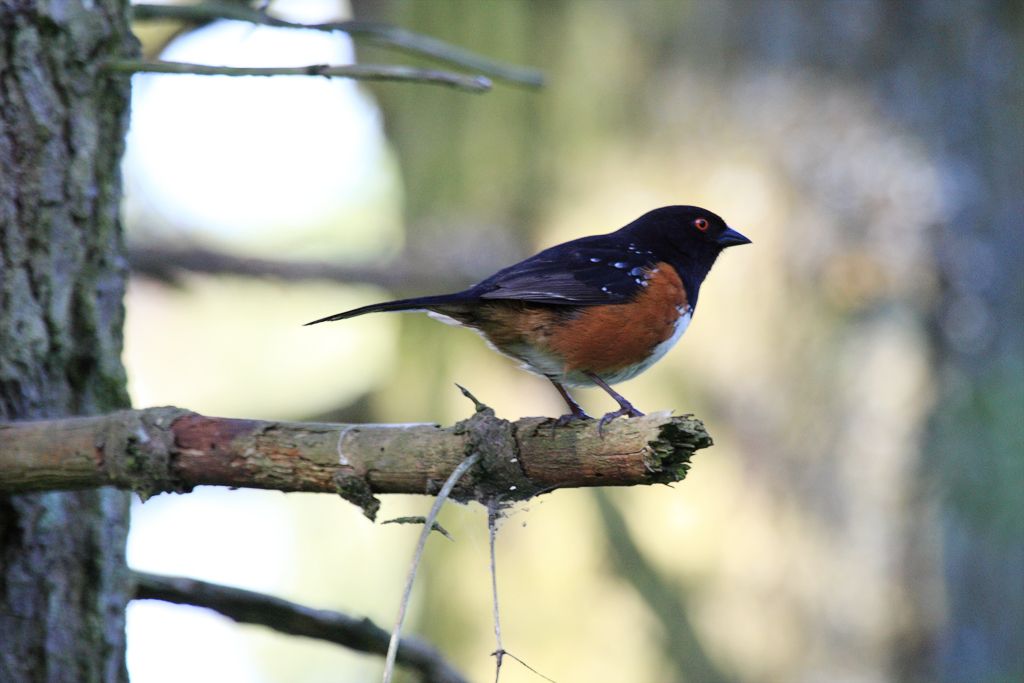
(619, 341)
(614, 341)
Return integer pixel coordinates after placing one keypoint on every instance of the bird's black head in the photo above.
(691, 230)
(688, 237)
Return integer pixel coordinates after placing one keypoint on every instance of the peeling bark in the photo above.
(169, 449)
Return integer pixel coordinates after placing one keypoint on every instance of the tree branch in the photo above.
(170, 449)
(383, 35)
(366, 72)
(165, 263)
(249, 607)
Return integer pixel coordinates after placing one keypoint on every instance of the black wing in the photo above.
(605, 269)
(593, 270)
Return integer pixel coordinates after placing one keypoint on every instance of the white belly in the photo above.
(632, 371)
(549, 365)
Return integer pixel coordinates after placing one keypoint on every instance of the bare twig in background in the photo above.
(682, 646)
(249, 607)
(493, 515)
(427, 273)
(364, 72)
(383, 35)
(421, 543)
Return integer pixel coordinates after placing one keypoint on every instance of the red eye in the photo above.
(701, 224)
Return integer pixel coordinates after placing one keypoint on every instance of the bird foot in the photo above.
(626, 409)
(569, 418)
(564, 421)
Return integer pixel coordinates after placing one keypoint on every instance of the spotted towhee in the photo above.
(596, 310)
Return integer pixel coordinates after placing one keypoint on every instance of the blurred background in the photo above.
(860, 366)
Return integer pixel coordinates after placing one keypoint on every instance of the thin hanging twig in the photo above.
(493, 515)
(492, 532)
(396, 634)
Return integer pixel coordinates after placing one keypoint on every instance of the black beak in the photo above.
(731, 238)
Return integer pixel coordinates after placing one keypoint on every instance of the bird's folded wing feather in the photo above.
(590, 271)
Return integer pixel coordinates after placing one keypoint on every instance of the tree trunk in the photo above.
(63, 578)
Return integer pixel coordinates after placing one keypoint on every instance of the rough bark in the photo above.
(169, 449)
(63, 579)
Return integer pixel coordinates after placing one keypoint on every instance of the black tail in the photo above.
(399, 305)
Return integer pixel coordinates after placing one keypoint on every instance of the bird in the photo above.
(593, 311)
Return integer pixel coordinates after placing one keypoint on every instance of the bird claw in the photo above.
(568, 419)
(626, 410)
